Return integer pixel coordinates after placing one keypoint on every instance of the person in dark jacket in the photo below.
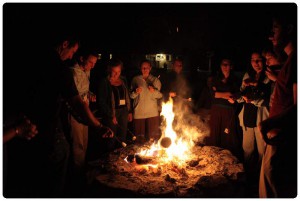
(113, 101)
(55, 93)
(224, 128)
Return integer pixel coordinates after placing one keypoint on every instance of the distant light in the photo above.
(99, 56)
(177, 29)
(160, 57)
(110, 56)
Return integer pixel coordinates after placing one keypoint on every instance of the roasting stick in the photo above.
(133, 136)
(122, 143)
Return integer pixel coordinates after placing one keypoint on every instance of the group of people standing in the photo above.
(61, 114)
(260, 132)
(237, 109)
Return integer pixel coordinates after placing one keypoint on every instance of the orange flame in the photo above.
(180, 149)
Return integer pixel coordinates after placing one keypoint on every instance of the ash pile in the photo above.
(211, 172)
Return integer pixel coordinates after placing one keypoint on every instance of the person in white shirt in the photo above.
(145, 91)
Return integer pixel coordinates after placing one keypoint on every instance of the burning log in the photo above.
(143, 160)
(139, 159)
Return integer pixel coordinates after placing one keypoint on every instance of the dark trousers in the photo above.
(278, 176)
(120, 130)
(147, 128)
(55, 174)
(224, 130)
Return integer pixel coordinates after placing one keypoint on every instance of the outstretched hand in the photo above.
(269, 132)
(25, 129)
(231, 100)
(105, 132)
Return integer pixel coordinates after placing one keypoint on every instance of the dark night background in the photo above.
(126, 29)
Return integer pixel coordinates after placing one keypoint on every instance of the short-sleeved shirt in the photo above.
(283, 96)
(82, 81)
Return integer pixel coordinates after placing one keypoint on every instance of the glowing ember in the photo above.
(179, 149)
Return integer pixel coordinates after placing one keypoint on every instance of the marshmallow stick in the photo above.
(122, 143)
(133, 136)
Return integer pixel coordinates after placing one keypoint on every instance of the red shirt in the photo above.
(283, 96)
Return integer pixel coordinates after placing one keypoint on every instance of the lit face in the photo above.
(89, 64)
(226, 66)
(279, 37)
(271, 60)
(145, 68)
(177, 66)
(116, 72)
(68, 52)
(257, 62)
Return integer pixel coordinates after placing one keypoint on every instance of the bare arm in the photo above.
(8, 134)
(84, 111)
(224, 95)
(24, 129)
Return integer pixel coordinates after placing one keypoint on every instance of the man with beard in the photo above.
(278, 177)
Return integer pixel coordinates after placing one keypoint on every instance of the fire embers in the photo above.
(144, 164)
(149, 176)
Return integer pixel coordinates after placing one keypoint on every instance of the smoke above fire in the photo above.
(186, 123)
(182, 128)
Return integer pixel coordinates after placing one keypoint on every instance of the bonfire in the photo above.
(171, 147)
(177, 165)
